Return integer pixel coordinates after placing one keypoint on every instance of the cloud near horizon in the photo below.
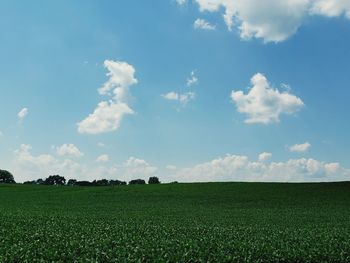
(221, 169)
(240, 168)
(69, 150)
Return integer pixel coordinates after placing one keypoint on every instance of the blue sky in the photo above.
(274, 82)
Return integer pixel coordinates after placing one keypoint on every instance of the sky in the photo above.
(189, 91)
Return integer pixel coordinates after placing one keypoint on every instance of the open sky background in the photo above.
(209, 90)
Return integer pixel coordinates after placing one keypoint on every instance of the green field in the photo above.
(214, 222)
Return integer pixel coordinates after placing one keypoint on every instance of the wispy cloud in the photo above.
(22, 114)
(203, 24)
(303, 147)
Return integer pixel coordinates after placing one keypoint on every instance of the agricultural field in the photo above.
(212, 222)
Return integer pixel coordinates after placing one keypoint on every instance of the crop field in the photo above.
(214, 222)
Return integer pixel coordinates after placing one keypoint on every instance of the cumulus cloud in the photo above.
(263, 104)
(331, 8)
(29, 166)
(69, 150)
(134, 168)
(240, 168)
(121, 77)
(105, 118)
(264, 156)
(203, 24)
(272, 20)
(22, 114)
(183, 98)
(300, 147)
(104, 158)
(108, 114)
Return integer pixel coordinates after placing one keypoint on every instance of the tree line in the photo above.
(7, 177)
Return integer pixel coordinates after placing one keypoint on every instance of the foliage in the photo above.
(6, 177)
(137, 181)
(153, 180)
(71, 182)
(55, 180)
(214, 222)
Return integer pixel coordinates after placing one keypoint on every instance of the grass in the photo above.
(212, 222)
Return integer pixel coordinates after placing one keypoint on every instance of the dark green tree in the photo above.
(6, 177)
(55, 180)
(40, 181)
(153, 180)
(116, 182)
(71, 182)
(137, 181)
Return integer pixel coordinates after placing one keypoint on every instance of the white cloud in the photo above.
(171, 96)
(121, 77)
(22, 114)
(135, 168)
(105, 118)
(100, 144)
(272, 20)
(181, 2)
(240, 168)
(104, 158)
(108, 114)
(171, 167)
(331, 8)
(263, 104)
(30, 167)
(132, 168)
(203, 24)
(183, 98)
(264, 156)
(69, 150)
(192, 80)
(300, 147)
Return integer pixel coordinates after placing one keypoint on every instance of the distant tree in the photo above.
(71, 182)
(102, 182)
(6, 177)
(55, 180)
(153, 180)
(137, 181)
(40, 181)
(116, 182)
